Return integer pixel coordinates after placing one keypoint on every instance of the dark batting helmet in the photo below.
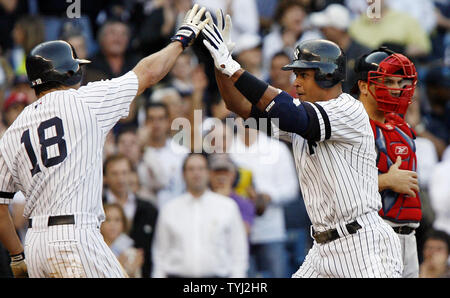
(54, 61)
(326, 57)
(375, 67)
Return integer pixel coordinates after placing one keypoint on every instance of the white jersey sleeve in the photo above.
(7, 185)
(109, 100)
(342, 119)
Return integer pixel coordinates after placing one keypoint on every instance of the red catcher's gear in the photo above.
(395, 138)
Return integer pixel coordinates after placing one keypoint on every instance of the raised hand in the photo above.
(191, 27)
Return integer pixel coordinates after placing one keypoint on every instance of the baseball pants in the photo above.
(373, 251)
(69, 251)
(410, 257)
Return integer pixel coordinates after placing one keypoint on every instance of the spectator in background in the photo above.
(275, 184)
(421, 10)
(114, 59)
(200, 233)
(441, 37)
(279, 78)
(162, 158)
(181, 73)
(159, 24)
(439, 190)
(249, 54)
(288, 30)
(22, 85)
(141, 215)
(13, 106)
(27, 33)
(435, 124)
(436, 252)
(56, 14)
(128, 144)
(394, 27)
(114, 231)
(222, 176)
(171, 98)
(10, 11)
(333, 22)
(244, 13)
(76, 39)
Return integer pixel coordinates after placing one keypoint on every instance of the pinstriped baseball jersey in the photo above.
(339, 180)
(53, 151)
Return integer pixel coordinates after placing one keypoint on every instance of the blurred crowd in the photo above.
(153, 164)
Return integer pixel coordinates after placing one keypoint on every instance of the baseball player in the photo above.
(386, 83)
(53, 154)
(334, 153)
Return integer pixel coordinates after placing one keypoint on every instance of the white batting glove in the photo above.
(191, 27)
(224, 26)
(218, 49)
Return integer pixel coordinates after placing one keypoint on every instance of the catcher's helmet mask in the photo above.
(325, 57)
(375, 67)
(54, 61)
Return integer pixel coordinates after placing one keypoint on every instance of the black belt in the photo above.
(404, 230)
(333, 234)
(57, 220)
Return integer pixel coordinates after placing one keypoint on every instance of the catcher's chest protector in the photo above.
(395, 138)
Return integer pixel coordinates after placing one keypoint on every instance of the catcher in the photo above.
(386, 84)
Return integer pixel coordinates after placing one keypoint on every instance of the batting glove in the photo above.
(191, 27)
(224, 26)
(18, 266)
(218, 49)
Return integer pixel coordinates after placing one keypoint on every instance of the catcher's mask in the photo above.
(382, 67)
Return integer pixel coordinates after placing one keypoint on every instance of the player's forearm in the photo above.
(151, 69)
(8, 235)
(263, 101)
(233, 99)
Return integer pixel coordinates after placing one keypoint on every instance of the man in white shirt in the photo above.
(162, 157)
(200, 234)
(274, 175)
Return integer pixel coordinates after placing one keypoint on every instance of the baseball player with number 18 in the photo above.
(53, 154)
(334, 153)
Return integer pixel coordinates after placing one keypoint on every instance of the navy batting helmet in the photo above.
(54, 61)
(326, 57)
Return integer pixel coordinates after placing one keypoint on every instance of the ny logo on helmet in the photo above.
(296, 53)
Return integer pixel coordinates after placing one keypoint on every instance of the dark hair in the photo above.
(280, 53)
(186, 159)
(284, 5)
(439, 235)
(114, 158)
(126, 129)
(39, 89)
(153, 105)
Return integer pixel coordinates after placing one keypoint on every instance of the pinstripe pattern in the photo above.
(373, 252)
(73, 183)
(339, 182)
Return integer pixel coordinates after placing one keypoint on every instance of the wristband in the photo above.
(18, 257)
(251, 87)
